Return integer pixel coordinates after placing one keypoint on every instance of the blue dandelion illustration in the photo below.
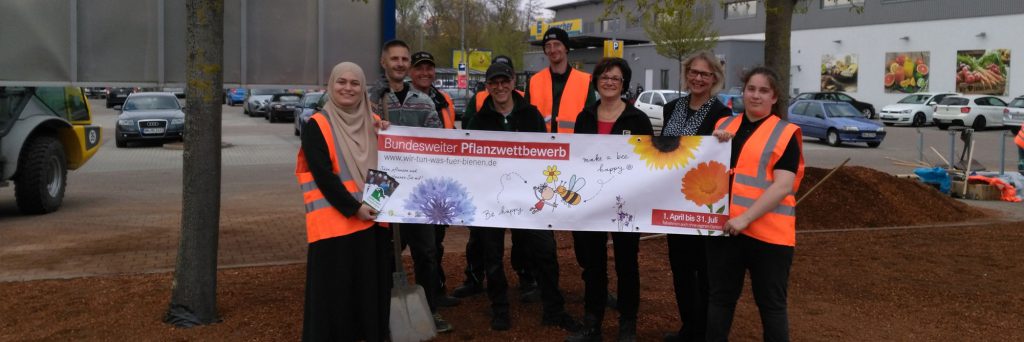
(440, 201)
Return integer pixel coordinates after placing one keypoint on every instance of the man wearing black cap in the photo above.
(423, 76)
(474, 254)
(559, 92)
(506, 110)
(478, 98)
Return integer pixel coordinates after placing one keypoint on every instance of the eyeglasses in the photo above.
(611, 79)
(702, 74)
(499, 82)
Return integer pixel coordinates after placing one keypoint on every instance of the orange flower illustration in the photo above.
(665, 152)
(706, 184)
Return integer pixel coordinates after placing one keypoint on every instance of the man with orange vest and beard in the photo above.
(559, 92)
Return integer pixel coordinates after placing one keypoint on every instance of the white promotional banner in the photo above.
(583, 182)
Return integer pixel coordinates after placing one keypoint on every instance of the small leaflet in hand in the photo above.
(378, 189)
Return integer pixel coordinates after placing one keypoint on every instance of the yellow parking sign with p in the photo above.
(613, 48)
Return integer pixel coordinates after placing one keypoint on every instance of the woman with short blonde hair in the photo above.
(713, 63)
(693, 114)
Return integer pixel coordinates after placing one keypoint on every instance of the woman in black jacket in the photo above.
(693, 114)
(610, 115)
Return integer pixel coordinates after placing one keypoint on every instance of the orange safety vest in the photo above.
(448, 114)
(752, 176)
(323, 221)
(482, 95)
(1020, 138)
(574, 97)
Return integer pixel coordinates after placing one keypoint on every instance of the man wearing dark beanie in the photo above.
(559, 92)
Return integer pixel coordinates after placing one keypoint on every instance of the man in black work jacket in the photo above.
(506, 110)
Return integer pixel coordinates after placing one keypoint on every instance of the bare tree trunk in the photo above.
(778, 27)
(194, 292)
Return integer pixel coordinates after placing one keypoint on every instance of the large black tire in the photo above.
(941, 126)
(919, 120)
(979, 123)
(874, 144)
(42, 176)
(868, 113)
(832, 137)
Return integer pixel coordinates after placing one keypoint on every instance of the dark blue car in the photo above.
(835, 123)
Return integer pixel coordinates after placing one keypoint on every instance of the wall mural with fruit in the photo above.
(906, 72)
(983, 71)
(839, 73)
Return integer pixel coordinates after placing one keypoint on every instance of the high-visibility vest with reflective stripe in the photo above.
(482, 95)
(574, 97)
(1020, 138)
(752, 175)
(448, 114)
(322, 220)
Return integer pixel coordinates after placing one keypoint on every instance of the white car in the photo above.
(651, 102)
(976, 111)
(1013, 115)
(914, 110)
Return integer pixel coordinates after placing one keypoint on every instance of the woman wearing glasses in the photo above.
(693, 114)
(609, 115)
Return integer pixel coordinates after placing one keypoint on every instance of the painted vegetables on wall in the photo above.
(983, 71)
(906, 72)
(839, 73)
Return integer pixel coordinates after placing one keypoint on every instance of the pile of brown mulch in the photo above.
(856, 197)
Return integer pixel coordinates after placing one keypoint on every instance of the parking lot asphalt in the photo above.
(122, 210)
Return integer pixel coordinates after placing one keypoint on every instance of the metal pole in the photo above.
(1002, 152)
(920, 145)
(423, 10)
(952, 147)
(462, 41)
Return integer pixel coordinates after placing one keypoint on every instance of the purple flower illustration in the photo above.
(440, 201)
(622, 218)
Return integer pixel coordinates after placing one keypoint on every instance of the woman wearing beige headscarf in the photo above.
(348, 273)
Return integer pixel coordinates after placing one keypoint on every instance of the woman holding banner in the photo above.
(767, 165)
(348, 268)
(609, 115)
(693, 114)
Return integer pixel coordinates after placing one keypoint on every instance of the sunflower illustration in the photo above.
(552, 173)
(665, 152)
(706, 184)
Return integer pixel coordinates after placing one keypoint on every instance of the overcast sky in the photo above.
(549, 3)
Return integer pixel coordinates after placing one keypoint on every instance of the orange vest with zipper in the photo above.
(574, 97)
(1019, 139)
(482, 95)
(448, 114)
(323, 221)
(753, 175)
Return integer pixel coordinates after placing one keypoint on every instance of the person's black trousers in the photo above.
(686, 255)
(422, 245)
(439, 232)
(475, 271)
(592, 254)
(728, 260)
(543, 258)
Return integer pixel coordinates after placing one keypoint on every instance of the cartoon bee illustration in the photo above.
(570, 194)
